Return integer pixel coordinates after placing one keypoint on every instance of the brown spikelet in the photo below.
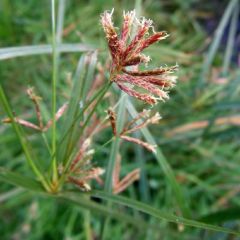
(116, 170)
(145, 85)
(148, 146)
(162, 81)
(36, 99)
(93, 173)
(83, 185)
(128, 19)
(142, 30)
(112, 118)
(111, 35)
(126, 181)
(141, 96)
(22, 122)
(59, 113)
(80, 154)
(152, 120)
(152, 39)
(157, 71)
(135, 60)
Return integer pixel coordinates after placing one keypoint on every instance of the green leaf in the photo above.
(70, 125)
(216, 41)
(13, 52)
(222, 216)
(10, 194)
(162, 161)
(231, 39)
(19, 180)
(81, 200)
(157, 213)
(23, 140)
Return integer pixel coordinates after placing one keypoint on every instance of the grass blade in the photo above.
(73, 109)
(230, 43)
(216, 41)
(23, 51)
(54, 94)
(19, 180)
(103, 210)
(182, 203)
(157, 213)
(12, 193)
(23, 141)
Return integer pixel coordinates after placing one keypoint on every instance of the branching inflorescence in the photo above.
(127, 53)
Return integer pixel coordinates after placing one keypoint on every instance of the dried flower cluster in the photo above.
(127, 52)
(134, 126)
(81, 170)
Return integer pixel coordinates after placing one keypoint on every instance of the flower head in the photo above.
(127, 52)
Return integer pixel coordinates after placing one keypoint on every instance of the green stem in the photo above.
(111, 163)
(87, 224)
(54, 86)
(46, 142)
(104, 89)
(95, 106)
(22, 140)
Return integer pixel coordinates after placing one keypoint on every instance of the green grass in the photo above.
(189, 189)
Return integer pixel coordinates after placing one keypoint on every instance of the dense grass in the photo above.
(195, 173)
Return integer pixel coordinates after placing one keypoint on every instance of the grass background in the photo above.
(204, 155)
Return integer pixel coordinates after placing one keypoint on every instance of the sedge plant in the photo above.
(70, 147)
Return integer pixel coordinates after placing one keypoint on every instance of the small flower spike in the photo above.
(81, 170)
(134, 126)
(40, 127)
(119, 185)
(127, 52)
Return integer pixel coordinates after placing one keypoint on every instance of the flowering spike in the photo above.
(147, 98)
(145, 85)
(143, 29)
(152, 39)
(128, 19)
(111, 35)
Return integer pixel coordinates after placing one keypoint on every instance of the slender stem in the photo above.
(54, 86)
(46, 142)
(22, 140)
(87, 224)
(112, 160)
(79, 115)
(95, 106)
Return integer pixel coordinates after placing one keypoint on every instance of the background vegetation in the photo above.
(196, 171)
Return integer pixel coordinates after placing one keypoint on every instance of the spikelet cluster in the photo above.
(127, 52)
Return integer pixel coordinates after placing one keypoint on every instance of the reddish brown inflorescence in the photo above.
(126, 53)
